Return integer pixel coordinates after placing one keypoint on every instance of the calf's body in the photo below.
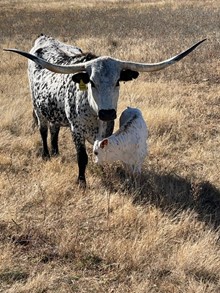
(128, 144)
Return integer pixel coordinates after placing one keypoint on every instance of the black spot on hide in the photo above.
(128, 74)
(81, 76)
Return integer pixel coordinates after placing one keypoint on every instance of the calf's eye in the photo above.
(96, 153)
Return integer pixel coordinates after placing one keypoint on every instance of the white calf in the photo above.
(128, 144)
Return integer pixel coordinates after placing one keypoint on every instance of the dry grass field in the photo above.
(160, 238)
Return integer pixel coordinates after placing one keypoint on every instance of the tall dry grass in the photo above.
(162, 237)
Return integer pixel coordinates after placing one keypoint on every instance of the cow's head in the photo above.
(103, 76)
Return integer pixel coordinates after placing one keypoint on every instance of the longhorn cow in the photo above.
(84, 96)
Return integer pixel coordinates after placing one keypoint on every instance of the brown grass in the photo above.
(162, 237)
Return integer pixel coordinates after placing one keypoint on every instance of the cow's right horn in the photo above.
(68, 69)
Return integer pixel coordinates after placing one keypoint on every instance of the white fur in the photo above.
(128, 144)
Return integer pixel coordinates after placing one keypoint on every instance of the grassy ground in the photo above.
(161, 238)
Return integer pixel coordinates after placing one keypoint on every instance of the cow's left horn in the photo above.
(145, 67)
(68, 69)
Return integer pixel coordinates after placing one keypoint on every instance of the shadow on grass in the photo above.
(169, 192)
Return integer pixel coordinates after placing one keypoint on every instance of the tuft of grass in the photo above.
(13, 276)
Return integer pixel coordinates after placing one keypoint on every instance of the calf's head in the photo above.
(100, 151)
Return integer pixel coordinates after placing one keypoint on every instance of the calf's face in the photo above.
(100, 151)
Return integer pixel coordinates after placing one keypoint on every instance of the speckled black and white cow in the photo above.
(84, 96)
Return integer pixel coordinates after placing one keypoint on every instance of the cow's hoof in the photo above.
(81, 183)
(54, 154)
(46, 157)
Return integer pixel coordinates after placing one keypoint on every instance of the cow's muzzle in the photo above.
(107, 115)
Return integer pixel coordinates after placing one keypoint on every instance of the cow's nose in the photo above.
(107, 115)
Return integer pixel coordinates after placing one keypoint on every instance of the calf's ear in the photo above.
(81, 76)
(103, 143)
(128, 74)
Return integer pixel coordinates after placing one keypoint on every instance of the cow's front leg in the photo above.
(82, 159)
(44, 132)
(43, 127)
(54, 132)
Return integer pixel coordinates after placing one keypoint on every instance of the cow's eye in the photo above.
(92, 83)
(95, 153)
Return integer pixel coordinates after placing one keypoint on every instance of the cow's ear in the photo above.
(128, 74)
(103, 143)
(81, 76)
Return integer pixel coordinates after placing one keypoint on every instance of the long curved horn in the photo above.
(66, 69)
(145, 67)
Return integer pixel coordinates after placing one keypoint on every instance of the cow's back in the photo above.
(53, 50)
(53, 93)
